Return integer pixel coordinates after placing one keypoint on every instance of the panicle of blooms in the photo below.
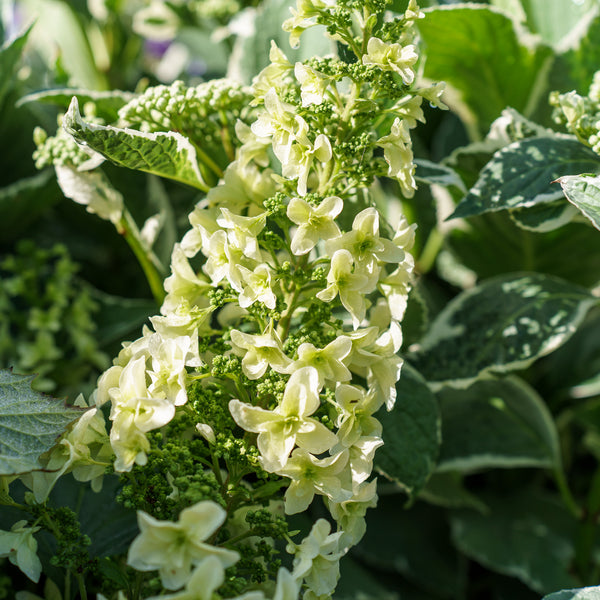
(277, 342)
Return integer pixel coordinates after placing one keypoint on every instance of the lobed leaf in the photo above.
(496, 423)
(168, 154)
(583, 191)
(503, 324)
(521, 174)
(411, 434)
(30, 423)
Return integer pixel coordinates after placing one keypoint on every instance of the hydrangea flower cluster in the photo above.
(256, 389)
(580, 114)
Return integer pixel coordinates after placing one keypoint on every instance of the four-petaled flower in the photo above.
(173, 548)
(289, 424)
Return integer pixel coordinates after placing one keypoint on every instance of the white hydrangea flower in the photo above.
(204, 581)
(20, 547)
(364, 242)
(311, 475)
(256, 287)
(243, 231)
(392, 57)
(289, 424)
(317, 558)
(174, 548)
(312, 84)
(397, 151)
(301, 156)
(314, 224)
(355, 418)
(349, 285)
(328, 361)
(259, 352)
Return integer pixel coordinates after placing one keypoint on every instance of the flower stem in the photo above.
(128, 228)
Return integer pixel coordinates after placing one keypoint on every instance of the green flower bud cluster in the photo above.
(580, 114)
(61, 149)
(47, 318)
(204, 113)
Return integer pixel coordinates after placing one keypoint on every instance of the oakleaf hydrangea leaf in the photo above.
(503, 324)
(521, 174)
(583, 191)
(30, 423)
(167, 154)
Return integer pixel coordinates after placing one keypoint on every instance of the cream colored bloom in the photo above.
(311, 475)
(242, 232)
(256, 286)
(328, 361)
(302, 154)
(259, 352)
(314, 224)
(204, 581)
(365, 243)
(350, 286)
(174, 548)
(289, 424)
(317, 559)
(312, 84)
(392, 57)
(397, 151)
(355, 418)
(20, 547)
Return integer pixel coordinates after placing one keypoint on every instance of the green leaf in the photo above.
(586, 593)
(575, 67)
(10, 54)
(64, 37)
(119, 317)
(430, 172)
(551, 19)
(503, 324)
(526, 535)
(107, 103)
(169, 154)
(415, 543)
(496, 423)
(583, 191)
(521, 174)
(488, 60)
(24, 201)
(411, 434)
(544, 217)
(492, 244)
(251, 53)
(447, 490)
(30, 423)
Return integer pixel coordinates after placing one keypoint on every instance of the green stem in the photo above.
(586, 535)
(432, 248)
(128, 228)
(565, 493)
(82, 590)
